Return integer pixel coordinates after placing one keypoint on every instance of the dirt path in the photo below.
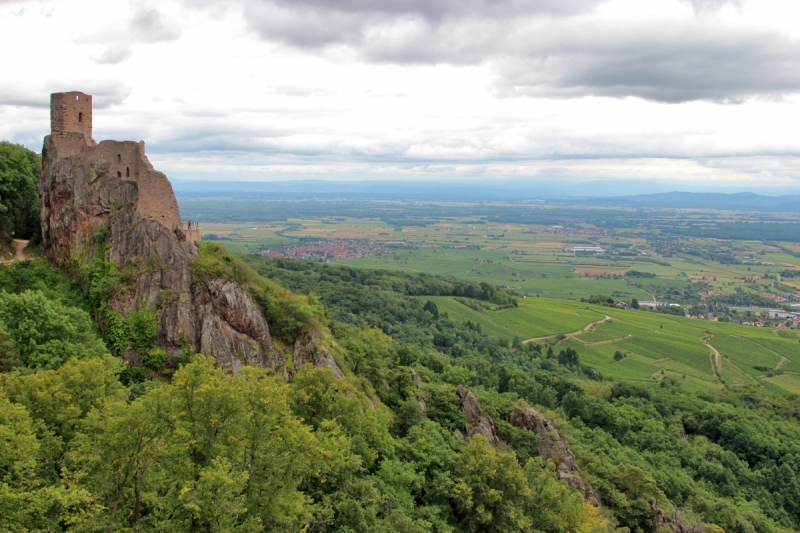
(476, 266)
(19, 246)
(568, 335)
(716, 360)
(19, 254)
(600, 343)
(650, 295)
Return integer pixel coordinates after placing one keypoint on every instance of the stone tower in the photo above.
(71, 113)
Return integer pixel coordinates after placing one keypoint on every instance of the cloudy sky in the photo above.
(680, 91)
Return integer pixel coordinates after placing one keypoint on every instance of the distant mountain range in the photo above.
(640, 193)
(743, 201)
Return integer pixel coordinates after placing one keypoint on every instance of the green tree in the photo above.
(26, 504)
(19, 195)
(45, 333)
(490, 490)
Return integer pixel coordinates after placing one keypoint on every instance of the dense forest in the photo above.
(90, 444)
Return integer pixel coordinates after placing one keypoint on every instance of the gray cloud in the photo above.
(17, 96)
(681, 65)
(439, 9)
(113, 55)
(708, 6)
(546, 48)
(146, 26)
(315, 23)
(104, 94)
(150, 26)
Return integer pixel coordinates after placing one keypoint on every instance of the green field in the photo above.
(535, 317)
(655, 345)
(531, 258)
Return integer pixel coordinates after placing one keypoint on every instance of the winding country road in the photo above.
(568, 335)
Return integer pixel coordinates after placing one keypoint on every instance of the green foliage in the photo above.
(375, 451)
(43, 333)
(317, 396)
(19, 195)
(214, 261)
(38, 275)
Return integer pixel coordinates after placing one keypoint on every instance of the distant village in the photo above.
(330, 249)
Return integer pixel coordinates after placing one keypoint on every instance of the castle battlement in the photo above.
(192, 231)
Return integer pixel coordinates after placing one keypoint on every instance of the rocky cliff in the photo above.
(478, 420)
(106, 202)
(553, 445)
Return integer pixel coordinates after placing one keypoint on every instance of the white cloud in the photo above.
(278, 90)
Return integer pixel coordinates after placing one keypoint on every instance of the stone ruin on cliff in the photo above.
(111, 189)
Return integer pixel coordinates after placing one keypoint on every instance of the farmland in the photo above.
(534, 258)
(654, 346)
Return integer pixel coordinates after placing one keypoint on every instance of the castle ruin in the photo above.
(71, 134)
(106, 211)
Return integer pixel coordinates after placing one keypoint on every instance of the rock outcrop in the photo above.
(106, 198)
(553, 445)
(412, 374)
(308, 348)
(478, 421)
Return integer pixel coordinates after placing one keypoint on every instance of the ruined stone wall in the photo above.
(71, 112)
(127, 160)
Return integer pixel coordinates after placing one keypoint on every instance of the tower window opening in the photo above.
(119, 158)
(127, 172)
(119, 174)
(77, 97)
(80, 117)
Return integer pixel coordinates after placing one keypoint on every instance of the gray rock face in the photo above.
(308, 348)
(553, 445)
(80, 195)
(232, 328)
(478, 421)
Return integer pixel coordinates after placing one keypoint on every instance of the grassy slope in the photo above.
(655, 345)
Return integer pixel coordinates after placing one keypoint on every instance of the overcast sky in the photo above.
(683, 91)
